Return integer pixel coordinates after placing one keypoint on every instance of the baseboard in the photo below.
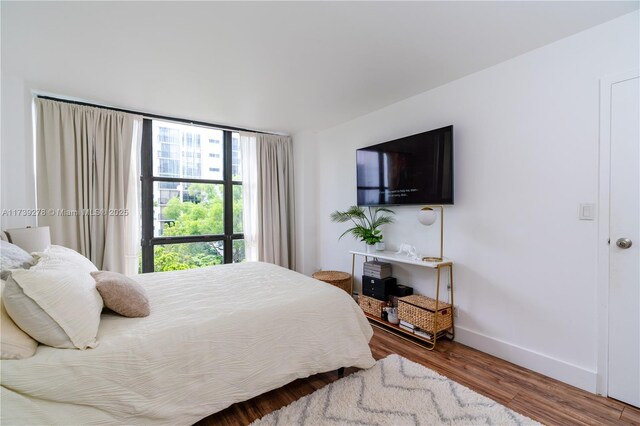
(543, 364)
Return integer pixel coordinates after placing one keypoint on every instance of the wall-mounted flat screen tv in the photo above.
(416, 169)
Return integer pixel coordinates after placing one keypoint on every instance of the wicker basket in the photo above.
(371, 306)
(336, 278)
(420, 311)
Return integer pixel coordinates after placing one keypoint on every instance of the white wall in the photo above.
(304, 151)
(526, 155)
(16, 152)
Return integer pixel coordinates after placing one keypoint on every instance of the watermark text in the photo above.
(64, 212)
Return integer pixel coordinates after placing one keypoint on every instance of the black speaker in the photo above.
(403, 290)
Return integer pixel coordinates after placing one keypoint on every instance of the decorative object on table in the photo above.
(371, 306)
(336, 278)
(376, 269)
(415, 330)
(427, 216)
(406, 326)
(380, 246)
(408, 250)
(421, 312)
(392, 315)
(366, 223)
(423, 333)
(395, 391)
(378, 288)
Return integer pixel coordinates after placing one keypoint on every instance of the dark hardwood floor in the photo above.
(534, 395)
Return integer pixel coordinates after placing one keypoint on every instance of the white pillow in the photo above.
(60, 308)
(14, 343)
(62, 258)
(13, 257)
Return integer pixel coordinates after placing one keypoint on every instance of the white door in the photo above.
(624, 250)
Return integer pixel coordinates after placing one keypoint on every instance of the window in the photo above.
(191, 197)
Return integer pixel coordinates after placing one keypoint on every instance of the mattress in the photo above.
(215, 336)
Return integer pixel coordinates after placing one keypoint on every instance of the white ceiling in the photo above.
(274, 66)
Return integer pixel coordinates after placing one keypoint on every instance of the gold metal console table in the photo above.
(389, 256)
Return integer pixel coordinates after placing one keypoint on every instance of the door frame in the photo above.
(604, 205)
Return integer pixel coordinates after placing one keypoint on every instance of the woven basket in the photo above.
(371, 306)
(420, 311)
(339, 279)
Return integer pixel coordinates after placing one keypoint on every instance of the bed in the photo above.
(215, 336)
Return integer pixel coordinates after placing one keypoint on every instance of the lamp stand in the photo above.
(441, 258)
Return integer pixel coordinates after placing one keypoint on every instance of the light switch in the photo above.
(587, 211)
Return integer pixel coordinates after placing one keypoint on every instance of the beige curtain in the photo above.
(269, 224)
(87, 181)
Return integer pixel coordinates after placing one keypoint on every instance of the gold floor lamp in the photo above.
(427, 216)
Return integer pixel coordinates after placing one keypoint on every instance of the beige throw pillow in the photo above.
(14, 343)
(56, 307)
(121, 294)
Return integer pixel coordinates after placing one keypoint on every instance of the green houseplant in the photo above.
(366, 223)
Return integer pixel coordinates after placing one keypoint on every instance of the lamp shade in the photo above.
(30, 239)
(427, 216)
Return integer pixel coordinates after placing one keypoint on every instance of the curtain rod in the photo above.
(156, 116)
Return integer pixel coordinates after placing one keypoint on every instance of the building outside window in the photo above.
(235, 156)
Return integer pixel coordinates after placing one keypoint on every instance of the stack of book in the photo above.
(415, 330)
(376, 269)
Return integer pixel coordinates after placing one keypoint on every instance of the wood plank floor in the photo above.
(534, 395)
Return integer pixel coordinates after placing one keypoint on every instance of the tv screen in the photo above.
(416, 169)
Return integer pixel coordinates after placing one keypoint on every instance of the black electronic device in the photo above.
(413, 170)
(378, 288)
(403, 290)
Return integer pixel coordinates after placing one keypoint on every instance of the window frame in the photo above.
(149, 241)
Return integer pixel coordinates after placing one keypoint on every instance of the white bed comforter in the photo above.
(215, 336)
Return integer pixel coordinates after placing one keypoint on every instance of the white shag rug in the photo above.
(396, 392)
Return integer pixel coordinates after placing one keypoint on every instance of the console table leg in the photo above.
(453, 306)
(435, 319)
(353, 269)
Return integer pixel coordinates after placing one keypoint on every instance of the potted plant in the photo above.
(365, 223)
